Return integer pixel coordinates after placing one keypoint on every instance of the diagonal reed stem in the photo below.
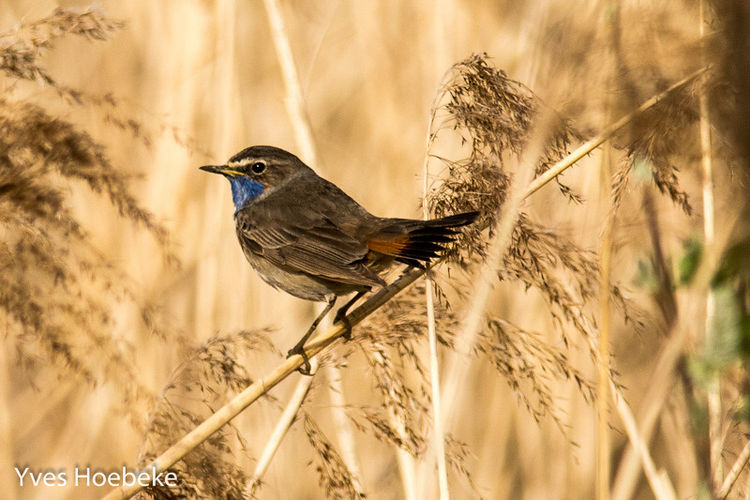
(734, 472)
(260, 387)
(608, 132)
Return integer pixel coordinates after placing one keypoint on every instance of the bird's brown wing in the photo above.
(299, 239)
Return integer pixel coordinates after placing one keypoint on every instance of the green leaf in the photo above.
(690, 260)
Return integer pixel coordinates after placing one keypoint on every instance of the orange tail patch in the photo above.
(415, 242)
(391, 246)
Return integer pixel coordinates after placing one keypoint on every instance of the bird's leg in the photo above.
(341, 315)
(299, 347)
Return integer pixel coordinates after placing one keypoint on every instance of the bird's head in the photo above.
(256, 171)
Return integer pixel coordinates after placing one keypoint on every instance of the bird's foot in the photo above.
(305, 368)
(342, 318)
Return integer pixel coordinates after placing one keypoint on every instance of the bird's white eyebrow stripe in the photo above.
(243, 162)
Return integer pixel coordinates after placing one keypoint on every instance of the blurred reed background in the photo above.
(193, 82)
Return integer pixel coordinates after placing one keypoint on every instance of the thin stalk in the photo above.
(293, 100)
(473, 323)
(207, 279)
(661, 382)
(282, 426)
(709, 236)
(405, 460)
(343, 426)
(438, 435)
(658, 480)
(734, 472)
(303, 135)
(602, 399)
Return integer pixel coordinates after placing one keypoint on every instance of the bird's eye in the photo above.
(258, 167)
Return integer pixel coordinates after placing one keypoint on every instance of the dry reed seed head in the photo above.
(566, 277)
(21, 47)
(57, 288)
(662, 139)
(52, 284)
(395, 332)
(530, 364)
(48, 251)
(401, 320)
(536, 257)
(457, 454)
(527, 361)
(495, 116)
(389, 340)
(39, 145)
(334, 476)
(398, 402)
(658, 140)
(403, 420)
(210, 375)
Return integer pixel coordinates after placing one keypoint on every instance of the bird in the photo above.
(304, 235)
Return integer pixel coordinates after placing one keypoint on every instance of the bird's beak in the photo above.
(221, 169)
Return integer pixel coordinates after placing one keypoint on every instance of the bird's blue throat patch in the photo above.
(244, 190)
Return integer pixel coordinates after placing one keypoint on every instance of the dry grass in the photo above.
(106, 115)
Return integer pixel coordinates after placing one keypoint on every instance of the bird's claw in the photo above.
(342, 318)
(305, 368)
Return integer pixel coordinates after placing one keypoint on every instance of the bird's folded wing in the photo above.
(308, 243)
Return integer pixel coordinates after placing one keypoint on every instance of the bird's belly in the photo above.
(297, 284)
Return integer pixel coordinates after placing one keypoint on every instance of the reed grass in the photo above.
(129, 311)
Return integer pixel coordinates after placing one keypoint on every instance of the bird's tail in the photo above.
(415, 242)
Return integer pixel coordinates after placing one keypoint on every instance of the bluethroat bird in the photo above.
(304, 235)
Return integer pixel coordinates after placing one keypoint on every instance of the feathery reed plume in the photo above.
(334, 476)
(207, 378)
(55, 284)
(493, 115)
(656, 142)
(21, 48)
(390, 341)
